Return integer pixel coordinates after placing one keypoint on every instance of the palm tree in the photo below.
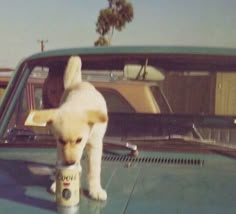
(112, 18)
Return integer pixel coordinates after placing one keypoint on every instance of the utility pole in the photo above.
(42, 44)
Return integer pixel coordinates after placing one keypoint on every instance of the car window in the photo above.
(20, 111)
(175, 91)
(115, 101)
(3, 86)
(38, 92)
(161, 99)
(2, 90)
(198, 92)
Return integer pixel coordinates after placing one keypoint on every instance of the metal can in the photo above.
(67, 185)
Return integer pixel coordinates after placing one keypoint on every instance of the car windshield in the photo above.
(147, 95)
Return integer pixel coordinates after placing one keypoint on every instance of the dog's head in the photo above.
(70, 129)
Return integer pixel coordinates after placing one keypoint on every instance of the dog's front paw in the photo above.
(98, 194)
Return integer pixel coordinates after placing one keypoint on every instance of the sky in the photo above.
(72, 23)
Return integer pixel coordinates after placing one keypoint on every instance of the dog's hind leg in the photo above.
(94, 158)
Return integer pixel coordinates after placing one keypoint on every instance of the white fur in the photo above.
(72, 74)
(81, 115)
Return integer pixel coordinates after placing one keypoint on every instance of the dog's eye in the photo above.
(61, 141)
(78, 140)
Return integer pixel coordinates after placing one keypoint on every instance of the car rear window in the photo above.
(115, 101)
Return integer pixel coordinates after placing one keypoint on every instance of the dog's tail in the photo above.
(72, 75)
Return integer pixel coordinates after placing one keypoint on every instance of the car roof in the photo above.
(139, 50)
(169, 57)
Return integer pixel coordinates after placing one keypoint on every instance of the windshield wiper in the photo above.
(121, 144)
(189, 140)
(15, 135)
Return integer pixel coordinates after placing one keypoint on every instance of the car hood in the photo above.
(151, 183)
(172, 184)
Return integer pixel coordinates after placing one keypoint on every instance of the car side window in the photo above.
(115, 101)
(20, 112)
(161, 100)
(38, 92)
(2, 90)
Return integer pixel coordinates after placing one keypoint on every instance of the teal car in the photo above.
(179, 159)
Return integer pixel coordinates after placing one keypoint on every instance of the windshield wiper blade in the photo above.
(24, 135)
(17, 134)
(211, 144)
(120, 143)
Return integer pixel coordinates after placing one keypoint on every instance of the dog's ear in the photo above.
(40, 117)
(96, 117)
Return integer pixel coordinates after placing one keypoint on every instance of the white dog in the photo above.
(79, 123)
